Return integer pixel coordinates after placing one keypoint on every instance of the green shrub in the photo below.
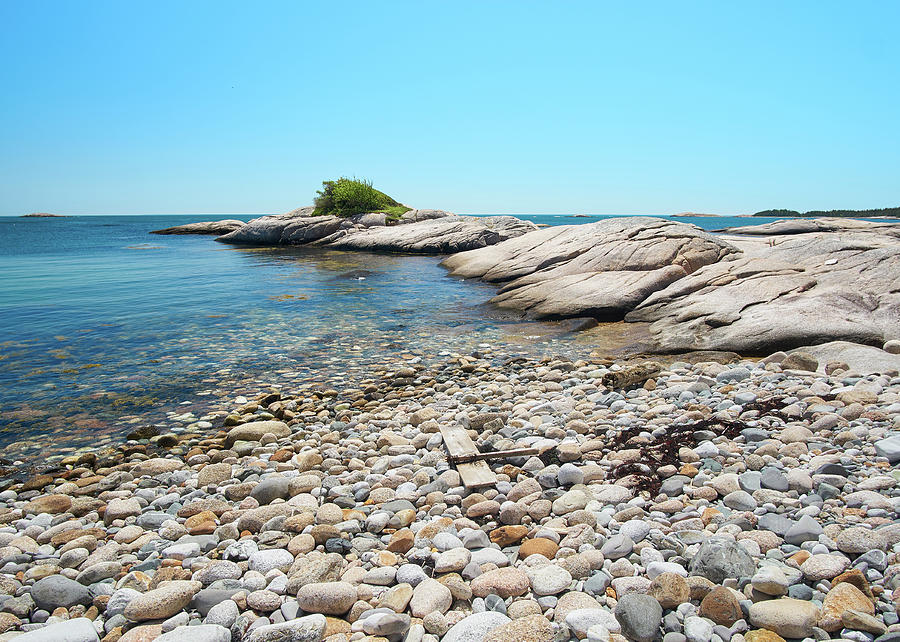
(350, 196)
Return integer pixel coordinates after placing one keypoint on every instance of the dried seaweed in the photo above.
(664, 450)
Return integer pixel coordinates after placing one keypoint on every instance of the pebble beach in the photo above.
(720, 500)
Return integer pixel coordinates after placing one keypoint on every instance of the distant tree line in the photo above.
(891, 212)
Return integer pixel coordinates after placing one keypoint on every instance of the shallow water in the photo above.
(105, 326)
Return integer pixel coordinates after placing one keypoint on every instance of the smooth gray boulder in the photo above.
(889, 448)
(54, 591)
(79, 629)
(862, 359)
(198, 633)
(204, 227)
(719, 558)
(270, 489)
(475, 627)
(310, 628)
(254, 431)
(639, 616)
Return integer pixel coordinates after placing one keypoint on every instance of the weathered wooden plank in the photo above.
(497, 454)
(459, 444)
(458, 441)
(476, 474)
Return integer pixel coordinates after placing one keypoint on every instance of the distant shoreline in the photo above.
(884, 212)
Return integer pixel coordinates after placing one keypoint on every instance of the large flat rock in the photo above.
(417, 232)
(204, 227)
(697, 291)
(865, 360)
(432, 236)
(802, 290)
(602, 269)
(268, 230)
(787, 226)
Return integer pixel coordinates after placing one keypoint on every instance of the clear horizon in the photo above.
(505, 108)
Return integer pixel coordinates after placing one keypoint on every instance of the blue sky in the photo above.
(476, 107)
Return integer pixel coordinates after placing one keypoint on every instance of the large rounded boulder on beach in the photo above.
(254, 430)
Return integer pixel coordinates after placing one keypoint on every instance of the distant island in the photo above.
(42, 215)
(891, 212)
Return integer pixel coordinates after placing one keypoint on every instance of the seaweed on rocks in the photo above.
(663, 451)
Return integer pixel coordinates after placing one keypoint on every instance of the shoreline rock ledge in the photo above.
(417, 231)
(603, 269)
(203, 227)
(699, 291)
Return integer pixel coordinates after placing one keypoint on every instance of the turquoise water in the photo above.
(105, 326)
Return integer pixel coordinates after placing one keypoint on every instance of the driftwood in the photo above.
(631, 375)
(496, 454)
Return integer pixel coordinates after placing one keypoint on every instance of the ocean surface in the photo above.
(104, 327)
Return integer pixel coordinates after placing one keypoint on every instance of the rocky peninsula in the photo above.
(416, 231)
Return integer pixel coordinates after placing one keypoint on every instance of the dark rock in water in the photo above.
(165, 441)
(720, 558)
(144, 432)
(42, 215)
(356, 274)
(204, 227)
(579, 324)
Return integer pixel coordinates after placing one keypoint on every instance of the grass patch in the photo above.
(350, 196)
